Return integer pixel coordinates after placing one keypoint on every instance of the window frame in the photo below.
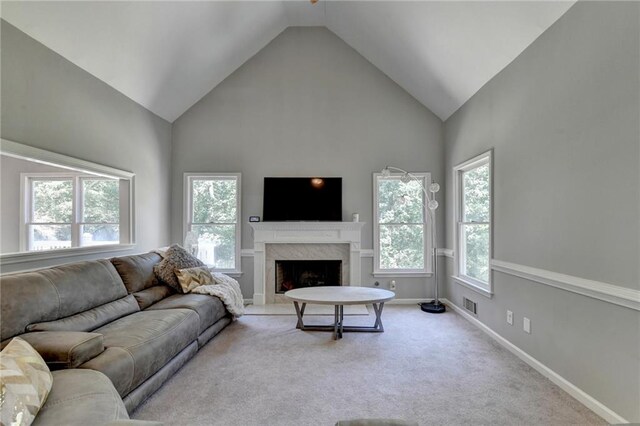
(427, 271)
(79, 200)
(77, 210)
(127, 180)
(188, 213)
(486, 158)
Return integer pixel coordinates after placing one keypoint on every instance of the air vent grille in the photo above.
(470, 305)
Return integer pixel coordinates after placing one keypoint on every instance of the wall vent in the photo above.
(470, 305)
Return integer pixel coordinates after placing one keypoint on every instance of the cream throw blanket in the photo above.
(228, 290)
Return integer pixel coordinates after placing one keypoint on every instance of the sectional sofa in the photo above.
(105, 319)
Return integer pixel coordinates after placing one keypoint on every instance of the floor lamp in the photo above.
(434, 307)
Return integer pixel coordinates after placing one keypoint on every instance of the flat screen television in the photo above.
(302, 199)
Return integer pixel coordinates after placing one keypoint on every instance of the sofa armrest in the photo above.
(65, 349)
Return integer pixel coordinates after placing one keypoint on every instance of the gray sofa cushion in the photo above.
(137, 271)
(85, 285)
(26, 298)
(65, 349)
(151, 295)
(209, 308)
(117, 364)
(375, 422)
(91, 319)
(54, 293)
(140, 344)
(81, 397)
(138, 275)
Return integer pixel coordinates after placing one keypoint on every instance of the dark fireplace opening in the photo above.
(291, 274)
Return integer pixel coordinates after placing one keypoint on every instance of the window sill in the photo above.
(473, 286)
(33, 256)
(383, 274)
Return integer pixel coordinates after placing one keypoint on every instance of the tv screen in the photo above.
(302, 199)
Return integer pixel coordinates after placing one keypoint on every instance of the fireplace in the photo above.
(292, 274)
(299, 241)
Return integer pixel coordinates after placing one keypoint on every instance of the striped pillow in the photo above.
(25, 382)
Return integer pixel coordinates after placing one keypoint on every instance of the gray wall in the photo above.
(307, 104)
(563, 122)
(49, 103)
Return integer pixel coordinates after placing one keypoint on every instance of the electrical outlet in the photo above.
(509, 317)
(392, 285)
(526, 325)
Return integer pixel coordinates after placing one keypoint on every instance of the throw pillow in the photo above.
(190, 278)
(176, 258)
(25, 382)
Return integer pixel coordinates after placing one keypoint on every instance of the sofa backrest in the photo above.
(54, 293)
(137, 274)
(137, 271)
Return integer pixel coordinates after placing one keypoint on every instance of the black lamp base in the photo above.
(433, 308)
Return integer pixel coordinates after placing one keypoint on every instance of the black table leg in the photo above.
(300, 314)
(377, 308)
(338, 326)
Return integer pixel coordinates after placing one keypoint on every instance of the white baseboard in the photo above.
(586, 399)
(406, 301)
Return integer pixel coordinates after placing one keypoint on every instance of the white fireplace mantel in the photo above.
(265, 233)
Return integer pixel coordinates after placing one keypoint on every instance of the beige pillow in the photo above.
(190, 278)
(25, 382)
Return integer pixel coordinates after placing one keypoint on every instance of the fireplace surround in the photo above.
(303, 241)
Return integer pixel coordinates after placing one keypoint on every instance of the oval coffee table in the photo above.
(339, 296)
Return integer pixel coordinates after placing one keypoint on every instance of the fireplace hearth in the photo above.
(292, 274)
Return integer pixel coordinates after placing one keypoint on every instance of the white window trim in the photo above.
(408, 273)
(483, 288)
(77, 207)
(29, 153)
(188, 206)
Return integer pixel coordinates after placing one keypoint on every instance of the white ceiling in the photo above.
(168, 55)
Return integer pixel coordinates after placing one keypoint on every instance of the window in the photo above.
(401, 234)
(212, 218)
(473, 222)
(70, 210)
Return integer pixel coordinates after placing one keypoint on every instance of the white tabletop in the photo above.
(340, 295)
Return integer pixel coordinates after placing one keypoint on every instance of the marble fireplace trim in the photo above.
(303, 241)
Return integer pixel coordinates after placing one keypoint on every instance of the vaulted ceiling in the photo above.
(168, 55)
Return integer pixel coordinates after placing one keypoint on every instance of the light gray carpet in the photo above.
(433, 369)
